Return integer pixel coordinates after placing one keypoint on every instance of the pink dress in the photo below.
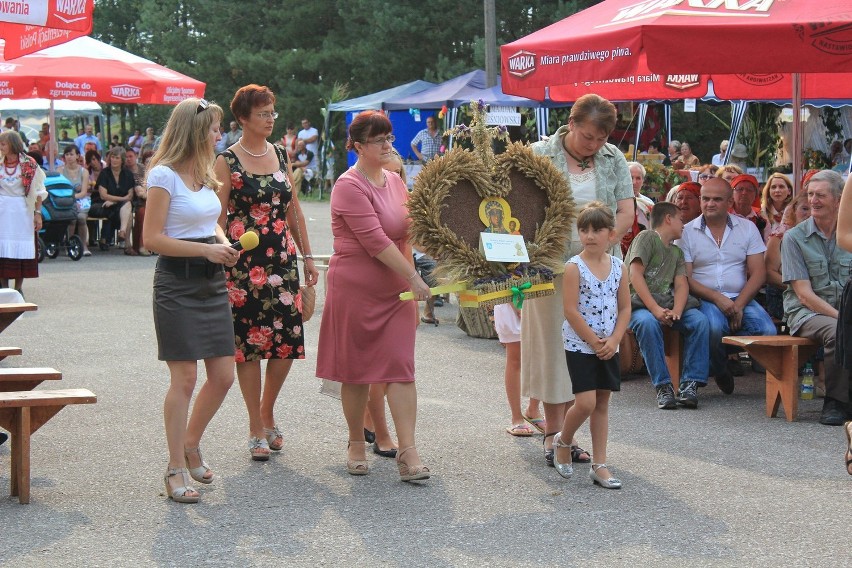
(367, 332)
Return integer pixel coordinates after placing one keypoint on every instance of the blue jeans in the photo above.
(755, 322)
(693, 326)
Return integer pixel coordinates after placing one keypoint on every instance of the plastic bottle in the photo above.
(808, 382)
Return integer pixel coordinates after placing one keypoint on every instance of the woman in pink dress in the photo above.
(367, 333)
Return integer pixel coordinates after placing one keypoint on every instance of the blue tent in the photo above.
(460, 91)
(376, 100)
(457, 92)
(405, 125)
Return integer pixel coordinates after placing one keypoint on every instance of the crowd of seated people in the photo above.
(108, 188)
(737, 269)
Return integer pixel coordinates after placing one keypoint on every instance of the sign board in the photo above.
(499, 247)
(688, 105)
(503, 116)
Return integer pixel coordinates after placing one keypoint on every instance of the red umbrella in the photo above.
(683, 37)
(29, 26)
(645, 85)
(85, 69)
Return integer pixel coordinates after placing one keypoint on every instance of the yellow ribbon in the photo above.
(472, 299)
(437, 290)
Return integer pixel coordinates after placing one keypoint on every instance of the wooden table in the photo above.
(11, 312)
(26, 379)
(780, 355)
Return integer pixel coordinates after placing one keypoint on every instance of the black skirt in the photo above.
(843, 336)
(192, 314)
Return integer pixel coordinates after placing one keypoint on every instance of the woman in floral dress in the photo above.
(264, 284)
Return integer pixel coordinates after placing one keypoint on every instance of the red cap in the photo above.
(692, 187)
(745, 177)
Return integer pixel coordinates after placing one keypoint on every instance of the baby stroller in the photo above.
(58, 211)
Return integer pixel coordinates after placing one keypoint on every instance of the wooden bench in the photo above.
(22, 413)
(780, 355)
(9, 351)
(26, 379)
(11, 312)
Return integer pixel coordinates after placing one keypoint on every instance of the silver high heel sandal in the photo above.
(198, 473)
(566, 470)
(179, 494)
(610, 483)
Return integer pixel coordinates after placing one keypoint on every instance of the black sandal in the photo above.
(576, 452)
(548, 454)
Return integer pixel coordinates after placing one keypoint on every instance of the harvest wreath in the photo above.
(467, 192)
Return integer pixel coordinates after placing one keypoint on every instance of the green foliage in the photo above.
(831, 120)
(301, 50)
(760, 134)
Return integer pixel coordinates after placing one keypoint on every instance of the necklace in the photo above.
(369, 179)
(14, 167)
(262, 154)
(583, 163)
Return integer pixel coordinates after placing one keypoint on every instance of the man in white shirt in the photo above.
(310, 135)
(719, 159)
(725, 269)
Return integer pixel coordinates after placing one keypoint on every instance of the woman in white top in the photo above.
(192, 315)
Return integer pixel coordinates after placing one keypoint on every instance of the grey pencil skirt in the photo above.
(192, 314)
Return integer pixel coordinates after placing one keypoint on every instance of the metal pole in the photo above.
(797, 134)
(492, 63)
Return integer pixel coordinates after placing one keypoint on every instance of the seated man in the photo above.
(815, 270)
(301, 167)
(725, 269)
(745, 192)
(659, 294)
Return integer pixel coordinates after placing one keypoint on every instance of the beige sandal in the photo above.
(198, 473)
(275, 438)
(357, 467)
(411, 472)
(179, 494)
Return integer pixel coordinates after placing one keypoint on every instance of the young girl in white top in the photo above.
(192, 314)
(596, 301)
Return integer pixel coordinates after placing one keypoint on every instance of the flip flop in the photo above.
(539, 423)
(520, 430)
(432, 320)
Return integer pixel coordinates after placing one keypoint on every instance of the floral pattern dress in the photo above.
(263, 286)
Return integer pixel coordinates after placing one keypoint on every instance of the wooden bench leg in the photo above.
(782, 377)
(672, 347)
(20, 482)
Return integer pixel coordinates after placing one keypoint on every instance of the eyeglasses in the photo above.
(389, 139)
(202, 106)
(704, 176)
(267, 115)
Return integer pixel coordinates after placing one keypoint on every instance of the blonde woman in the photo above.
(776, 195)
(189, 285)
